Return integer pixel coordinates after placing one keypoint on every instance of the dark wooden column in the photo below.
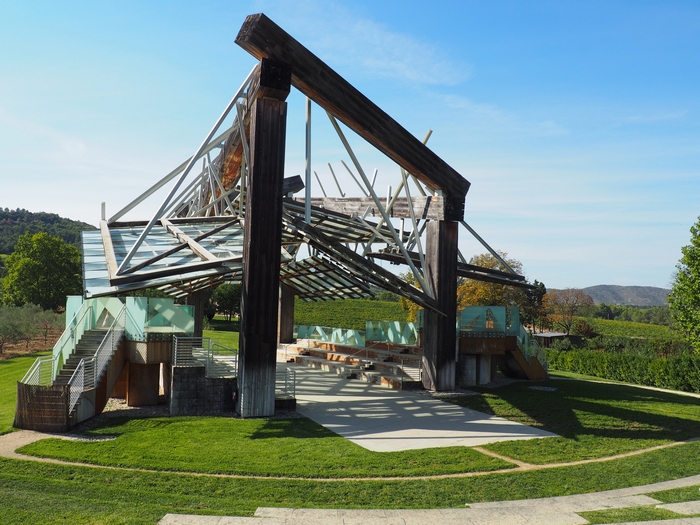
(262, 240)
(286, 315)
(439, 332)
(196, 299)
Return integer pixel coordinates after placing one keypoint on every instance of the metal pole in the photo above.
(307, 194)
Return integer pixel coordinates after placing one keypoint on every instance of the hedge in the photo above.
(679, 372)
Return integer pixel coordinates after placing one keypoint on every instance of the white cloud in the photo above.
(342, 37)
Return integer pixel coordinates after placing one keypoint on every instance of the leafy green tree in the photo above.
(684, 298)
(42, 270)
(227, 298)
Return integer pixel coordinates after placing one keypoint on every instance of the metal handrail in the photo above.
(70, 335)
(76, 385)
(108, 346)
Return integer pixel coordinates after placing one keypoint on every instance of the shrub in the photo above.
(677, 372)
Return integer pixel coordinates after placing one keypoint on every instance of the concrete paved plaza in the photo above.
(385, 420)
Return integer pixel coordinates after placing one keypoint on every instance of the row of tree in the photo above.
(660, 315)
(24, 323)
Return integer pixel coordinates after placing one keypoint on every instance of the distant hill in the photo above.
(14, 223)
(628, 295)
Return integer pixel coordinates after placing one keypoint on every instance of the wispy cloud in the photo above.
(342, 37)
(500, 119)
(66, 144)
(652, 118)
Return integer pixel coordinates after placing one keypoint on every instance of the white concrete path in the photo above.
(384, 420)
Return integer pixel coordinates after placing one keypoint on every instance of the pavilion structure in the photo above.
(230, 214)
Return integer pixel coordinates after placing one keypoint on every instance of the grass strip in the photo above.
(295, 447)
(88, 495)
(678, 495)
(647, 513)
(592, 420)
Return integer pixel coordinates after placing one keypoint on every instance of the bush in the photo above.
(678, 372)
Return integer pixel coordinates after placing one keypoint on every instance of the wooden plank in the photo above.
(439, 335)
(262, 256)
(111, 259)
(424, 207)
(470, 271)
(197, 248)
(261, 37)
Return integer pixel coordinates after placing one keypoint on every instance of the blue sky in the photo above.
(577, 123)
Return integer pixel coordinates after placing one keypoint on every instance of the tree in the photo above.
(10, 325)
(47, 321)
(42, 270)
(227, 298)
(566, 304)
(480, 293)
(534, 310)
(406, 304)
(684, 298)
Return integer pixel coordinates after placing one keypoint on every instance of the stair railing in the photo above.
(45, 369)
(76, 385)
(65, 346)
(108, 347)
(89, 371)
(41, 372)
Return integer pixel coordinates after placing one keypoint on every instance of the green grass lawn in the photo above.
(593, 420)
(45, 493)
(260, 447)
(11, 371)
(222, 337)
(650, 512)
(346, 313)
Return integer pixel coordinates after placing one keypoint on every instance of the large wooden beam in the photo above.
(439, 331)
(262, 38)
(261, 249)
(431, 208)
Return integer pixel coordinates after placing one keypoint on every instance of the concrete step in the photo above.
(382, 377)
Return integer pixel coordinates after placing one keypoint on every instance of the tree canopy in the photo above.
(14, 223)
(684, 298)
(480, 293)
(42, 270)
(227, 298)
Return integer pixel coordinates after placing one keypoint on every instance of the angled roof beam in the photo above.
(262, 38)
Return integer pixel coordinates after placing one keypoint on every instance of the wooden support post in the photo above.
(261, 245)
(196, 299)
(439, 331)
(286, 315)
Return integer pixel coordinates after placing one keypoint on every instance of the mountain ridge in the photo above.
(628, 295)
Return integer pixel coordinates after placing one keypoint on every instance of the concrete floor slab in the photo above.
(385, 420)
(685, 507)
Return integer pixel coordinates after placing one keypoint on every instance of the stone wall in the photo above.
(194, 394)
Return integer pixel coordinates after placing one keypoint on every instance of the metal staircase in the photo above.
(60, 391)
